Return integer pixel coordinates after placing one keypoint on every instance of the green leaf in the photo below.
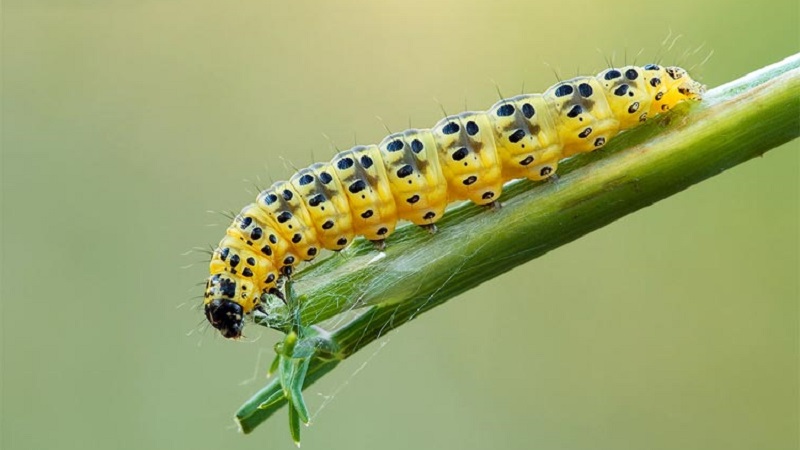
(273, 399)
(273, 368)
(294, 426)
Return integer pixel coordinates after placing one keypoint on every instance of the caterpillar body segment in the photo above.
(418, 184)
(413, 175)
(329, 213)
(367, 190)
(527, 137)
(468, 156)
(585, 120)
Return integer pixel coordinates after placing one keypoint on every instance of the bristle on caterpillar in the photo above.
(413, 175)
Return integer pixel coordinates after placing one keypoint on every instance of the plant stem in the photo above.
(732, 124)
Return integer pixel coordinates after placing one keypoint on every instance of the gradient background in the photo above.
(126, 121)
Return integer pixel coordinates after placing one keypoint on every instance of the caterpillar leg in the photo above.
(277, 293)
(379, 244)
(430, 228)
(493, 206)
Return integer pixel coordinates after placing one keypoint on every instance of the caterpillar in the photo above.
(414, 174)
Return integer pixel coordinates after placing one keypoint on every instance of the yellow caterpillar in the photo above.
(413, 175)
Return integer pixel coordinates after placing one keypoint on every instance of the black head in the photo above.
(226, 316)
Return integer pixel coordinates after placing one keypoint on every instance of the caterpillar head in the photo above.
(222, 309)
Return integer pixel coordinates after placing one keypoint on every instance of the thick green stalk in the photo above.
(734, 123)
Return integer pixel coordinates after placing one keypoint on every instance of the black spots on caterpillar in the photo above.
(284, 216)
(325, 177)
(505, 110)
(246, 222)
(564, 90)
(405, 171)
(575, 111)
(344, 163)
(472, 128)
(458, 155)
(366, 161)
(357, 186)
(528, 111)
(270, 199)
(316, 200)
(516, 136)
(413, 175)
(451, 128)
(621, 90)
(395, 145)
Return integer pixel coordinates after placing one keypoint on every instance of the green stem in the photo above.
(734, 123)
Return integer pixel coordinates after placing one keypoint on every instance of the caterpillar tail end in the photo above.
(693, 90)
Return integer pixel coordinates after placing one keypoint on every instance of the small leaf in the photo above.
(273, 368)
(296, 389)
(276, 397)
(294, 426)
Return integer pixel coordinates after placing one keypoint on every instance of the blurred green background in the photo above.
(125, 121)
